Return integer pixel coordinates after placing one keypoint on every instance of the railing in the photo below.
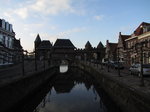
(9, 56)
(24, 69)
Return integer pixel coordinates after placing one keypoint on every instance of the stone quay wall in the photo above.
(15, 92)
(128, 98)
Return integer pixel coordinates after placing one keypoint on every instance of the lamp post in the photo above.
(23, 72)
(35, 59)
(141, 61)
(44, 60)
(108, 62)
(101, 65)
(118, 62)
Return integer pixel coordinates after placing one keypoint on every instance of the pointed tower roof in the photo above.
(38, 39)
(100, 45)
(88, 45)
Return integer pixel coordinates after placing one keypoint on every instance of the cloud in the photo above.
(22, 12)
(30, 17)
(42, 7)
(52, 6)
(67, 33)
(53, 37)
(98, 17)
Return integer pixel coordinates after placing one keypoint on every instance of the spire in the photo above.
(100, 45)
(88, 45)
(38, 39)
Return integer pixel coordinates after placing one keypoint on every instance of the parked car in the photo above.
(105, 62)
(111, 64)
(118, 65)
(136, 69)
(95, 61)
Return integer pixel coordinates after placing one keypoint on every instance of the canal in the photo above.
(73, 91)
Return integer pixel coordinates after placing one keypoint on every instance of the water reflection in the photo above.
(72, 92)
(63, 68)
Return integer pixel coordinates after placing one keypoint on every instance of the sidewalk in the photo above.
(131, 81)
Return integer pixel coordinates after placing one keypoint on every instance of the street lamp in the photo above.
(118, 62)
(141, 60)
(35, 58)
(108, 62)
(21, 59)
(44, 59)
(23, 63)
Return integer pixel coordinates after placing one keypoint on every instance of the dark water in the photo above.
(74, 91)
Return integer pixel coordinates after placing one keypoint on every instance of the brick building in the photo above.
(111, 51)
(122, 47)
(130, 45)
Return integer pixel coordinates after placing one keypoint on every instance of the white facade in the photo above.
(1, 38)
(6, 42)
(3, 23)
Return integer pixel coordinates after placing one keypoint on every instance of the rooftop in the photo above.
(45, 44)
(63, 43)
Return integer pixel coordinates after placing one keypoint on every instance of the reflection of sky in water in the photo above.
(63, 68)
(78, 100)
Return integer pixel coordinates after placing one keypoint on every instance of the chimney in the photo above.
(119, 33)
(107, 41)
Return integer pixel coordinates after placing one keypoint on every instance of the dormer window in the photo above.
(148, 28)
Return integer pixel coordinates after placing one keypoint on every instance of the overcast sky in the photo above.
(77, 20)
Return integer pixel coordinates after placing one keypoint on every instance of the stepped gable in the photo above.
(113, 46)
(122, 38)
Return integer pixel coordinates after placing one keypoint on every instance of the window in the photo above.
(148, 28)
(3, 40)
(129, 45)
(7, 42)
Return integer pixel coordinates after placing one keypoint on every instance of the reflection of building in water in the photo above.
(63, 68)
(87, 85)
(63, 84)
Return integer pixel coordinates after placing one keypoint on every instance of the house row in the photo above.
(10, 47)
(131, 48)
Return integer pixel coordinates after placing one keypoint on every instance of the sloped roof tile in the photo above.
(63, 43)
